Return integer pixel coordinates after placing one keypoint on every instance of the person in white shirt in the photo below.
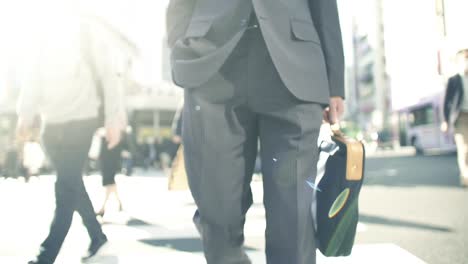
(71, 76)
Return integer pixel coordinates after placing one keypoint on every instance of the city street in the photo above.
(412, 211)
(160, 75)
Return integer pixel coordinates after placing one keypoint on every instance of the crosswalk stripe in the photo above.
(362, 254)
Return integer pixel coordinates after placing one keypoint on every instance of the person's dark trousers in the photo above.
(67, 146)
(223, 121)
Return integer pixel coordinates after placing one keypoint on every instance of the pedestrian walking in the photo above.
(129, 151)
(110, 161)
(62, 87)
(150, 152)
(254, 70)
(456, 112)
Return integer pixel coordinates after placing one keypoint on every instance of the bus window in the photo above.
(422, 116)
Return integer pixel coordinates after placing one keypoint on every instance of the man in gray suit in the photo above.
(255, 69)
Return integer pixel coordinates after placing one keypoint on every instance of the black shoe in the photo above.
(38, 262)
(94, 248)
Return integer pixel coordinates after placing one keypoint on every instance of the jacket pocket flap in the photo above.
(198, 28)
(304, 30)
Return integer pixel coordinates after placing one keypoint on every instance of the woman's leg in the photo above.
(461, 140)
(110, 166)
(108, 193)
(115, 191)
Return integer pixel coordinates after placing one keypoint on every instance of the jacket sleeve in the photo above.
(106, 59)
(178, 16)
(326, 19)
(449, 99)
(30, 97)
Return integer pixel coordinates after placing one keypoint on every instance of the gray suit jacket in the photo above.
(303, 38)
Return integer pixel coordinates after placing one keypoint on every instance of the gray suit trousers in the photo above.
(243, 104)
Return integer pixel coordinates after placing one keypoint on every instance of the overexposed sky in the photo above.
(142, 21)
(410, 43)
(346, 19)
(457, 22)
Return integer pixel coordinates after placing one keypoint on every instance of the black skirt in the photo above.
(110, 162)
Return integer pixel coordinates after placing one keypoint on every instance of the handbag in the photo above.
(339, 180)
(95, 149)
(178, 177)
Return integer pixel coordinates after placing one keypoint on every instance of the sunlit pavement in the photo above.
(156, 226)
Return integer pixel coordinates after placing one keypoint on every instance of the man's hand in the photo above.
(177, 139)
(334, 112)
(113, 136)
(444, 127)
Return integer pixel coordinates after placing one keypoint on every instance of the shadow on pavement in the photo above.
(191, 245)
(371, 219)
(131, 222)
(137, 222)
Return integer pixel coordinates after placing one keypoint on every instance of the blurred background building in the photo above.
(139, 28)
(399, 56)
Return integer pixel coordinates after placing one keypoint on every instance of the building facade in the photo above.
(370, 79)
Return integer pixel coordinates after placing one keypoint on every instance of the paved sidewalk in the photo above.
(155, 227)
(387, 153)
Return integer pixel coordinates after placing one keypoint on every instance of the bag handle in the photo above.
(336, 130)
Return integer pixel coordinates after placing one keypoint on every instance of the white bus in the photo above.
(420, 126)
